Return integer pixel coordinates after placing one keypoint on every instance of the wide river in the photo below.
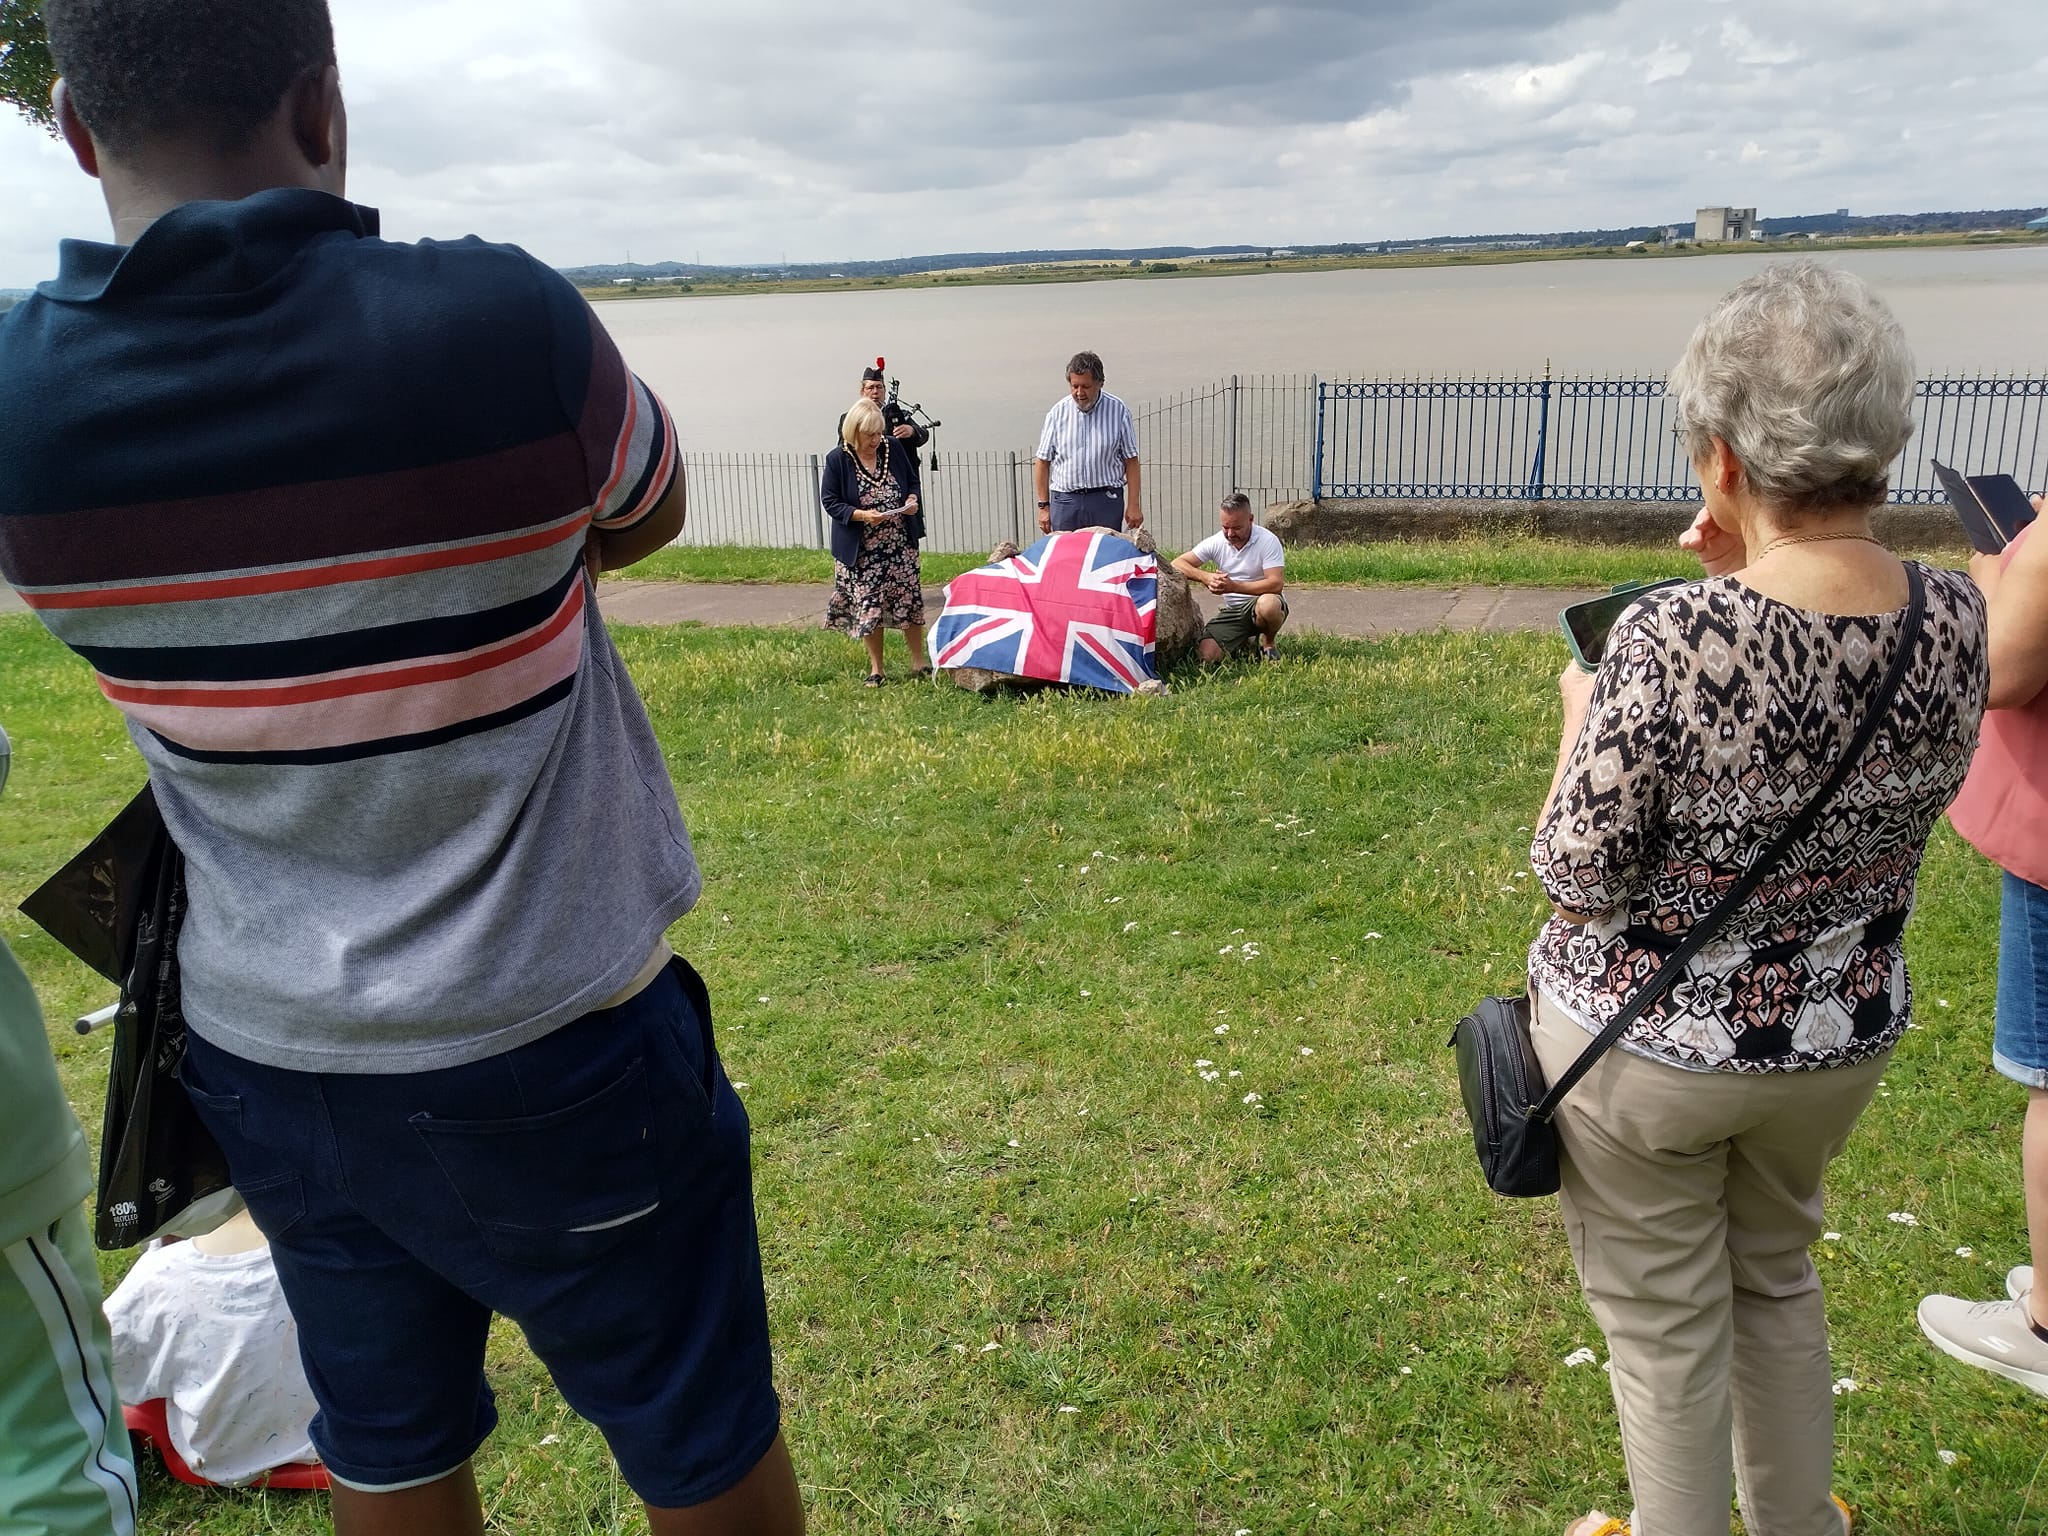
(771, 373)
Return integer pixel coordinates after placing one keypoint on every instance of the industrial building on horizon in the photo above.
(1720, 225)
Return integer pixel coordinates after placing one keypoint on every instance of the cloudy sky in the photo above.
(756, 129)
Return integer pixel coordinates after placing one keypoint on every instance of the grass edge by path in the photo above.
(1518, 561)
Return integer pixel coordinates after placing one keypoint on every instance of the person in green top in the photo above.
(65, 1466)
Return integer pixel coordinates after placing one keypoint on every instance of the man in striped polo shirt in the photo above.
(1086, 470)
(317, 509)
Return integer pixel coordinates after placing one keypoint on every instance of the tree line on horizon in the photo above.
(1831, 223)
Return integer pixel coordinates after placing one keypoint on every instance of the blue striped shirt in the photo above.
(1087, 449)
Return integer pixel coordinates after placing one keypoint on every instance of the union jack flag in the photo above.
(1078, 607)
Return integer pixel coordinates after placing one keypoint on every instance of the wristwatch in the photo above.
(1045, 503)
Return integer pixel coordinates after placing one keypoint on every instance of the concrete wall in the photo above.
(1592, 522)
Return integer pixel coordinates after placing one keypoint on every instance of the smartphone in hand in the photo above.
(1993, 508)
(1586, 625)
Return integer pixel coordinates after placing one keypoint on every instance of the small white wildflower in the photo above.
(760, 999)
(1235, 1073)
(1254, 1098)
(959, 1349)
(1845, 1385)
(737, 1086)
(1068, 1408)
(1112, 901)
(1308, 1050)
(1941, 1002)
(1831, 1237)
(1903, 1218)
(1222, 1029)
(1211, 1075)
(550, 1439)
(1966, 1252)
(1407, 1370)
(1086, 993)
(991, 1344)
(1203, 1061)
(1084, 869)
(1580, 1357)
(1015, 1142)
(1372, 935)
(1175, 934)
(1096, 854)
(1226, 949)
(1130, 927)
(1948, 1458)
(1235, 932)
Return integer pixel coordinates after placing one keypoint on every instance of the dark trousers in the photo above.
(1102, 507)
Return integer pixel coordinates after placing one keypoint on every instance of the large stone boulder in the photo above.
(1179, 628)
(1180, 622)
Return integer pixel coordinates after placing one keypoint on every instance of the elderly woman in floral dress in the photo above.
(869, 488)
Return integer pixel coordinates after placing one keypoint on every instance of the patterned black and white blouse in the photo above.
(1716, 715)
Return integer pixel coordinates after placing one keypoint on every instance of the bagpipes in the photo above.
(911, 412)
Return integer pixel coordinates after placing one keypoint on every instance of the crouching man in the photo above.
(1250, 571)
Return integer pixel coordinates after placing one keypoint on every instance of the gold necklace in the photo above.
(1812, 538)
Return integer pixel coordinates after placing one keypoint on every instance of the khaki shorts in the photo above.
(1233, 628)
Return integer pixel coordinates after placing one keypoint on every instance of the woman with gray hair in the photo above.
(1692, 1155)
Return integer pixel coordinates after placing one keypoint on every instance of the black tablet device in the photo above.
(1993, 507)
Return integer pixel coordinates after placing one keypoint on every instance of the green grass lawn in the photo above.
(969, 956)
(1425, 562)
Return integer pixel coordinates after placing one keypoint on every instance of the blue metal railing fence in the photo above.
(1281, 437)
(1612, 439)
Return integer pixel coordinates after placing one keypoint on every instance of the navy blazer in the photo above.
(839, 490)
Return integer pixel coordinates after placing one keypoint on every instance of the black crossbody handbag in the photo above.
(1502, 1082)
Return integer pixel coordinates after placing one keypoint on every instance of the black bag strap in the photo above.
(1675, 963)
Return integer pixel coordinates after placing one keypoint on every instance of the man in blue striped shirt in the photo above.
(1086, 471)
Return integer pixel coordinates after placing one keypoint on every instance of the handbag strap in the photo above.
(1674, 964)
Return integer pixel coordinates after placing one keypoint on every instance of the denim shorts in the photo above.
(593, 1186)
(2019, 1040)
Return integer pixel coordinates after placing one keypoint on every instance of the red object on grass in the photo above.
(148, 1421)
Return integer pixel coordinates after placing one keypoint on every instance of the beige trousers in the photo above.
(1690, 1199)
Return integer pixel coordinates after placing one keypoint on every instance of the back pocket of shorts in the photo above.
(559, 1189)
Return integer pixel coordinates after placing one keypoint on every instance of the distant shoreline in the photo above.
(1169, 271)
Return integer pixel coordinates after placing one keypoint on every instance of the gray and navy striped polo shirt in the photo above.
(1087, 448)
(313, 507)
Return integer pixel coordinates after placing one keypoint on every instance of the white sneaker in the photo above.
(1991, 1335)
(2019, 1280)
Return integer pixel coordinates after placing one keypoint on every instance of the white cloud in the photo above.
(1752, 51)
(744, 133)
(1666, 63)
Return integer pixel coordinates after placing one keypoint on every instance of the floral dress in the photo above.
(882, 590)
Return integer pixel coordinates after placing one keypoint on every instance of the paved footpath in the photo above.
(1356, 612)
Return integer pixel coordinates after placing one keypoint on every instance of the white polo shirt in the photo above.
(1087, 449)
(1262, 552)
